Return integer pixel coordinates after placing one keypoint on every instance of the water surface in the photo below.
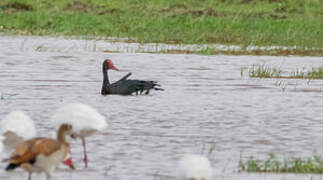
(205, 102)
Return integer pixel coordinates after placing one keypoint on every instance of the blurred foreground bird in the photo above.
(84, 119)
(194, 167)
(16, 127)
(42, 154)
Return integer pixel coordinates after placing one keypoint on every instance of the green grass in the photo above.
(240, 22)
(265, 71)
(290, 165)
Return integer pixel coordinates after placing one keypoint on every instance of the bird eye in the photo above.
(73, 135)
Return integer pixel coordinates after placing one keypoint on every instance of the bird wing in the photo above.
(124, 77)
(46, 147)
(129, 86)
(11, 139)
(28, 150)
(23, 151)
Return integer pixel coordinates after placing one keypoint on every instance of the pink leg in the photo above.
(84, 151)
(47, 176)
(29, 176)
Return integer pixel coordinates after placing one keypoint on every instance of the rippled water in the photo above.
(206, 102)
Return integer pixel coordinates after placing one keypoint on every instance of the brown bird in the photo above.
(43, 154)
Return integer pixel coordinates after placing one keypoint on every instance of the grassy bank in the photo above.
(288, 165)
(240, 22)
(266, 71)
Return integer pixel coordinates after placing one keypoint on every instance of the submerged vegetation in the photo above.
(266, 71)
(289, 165)
(292, 23)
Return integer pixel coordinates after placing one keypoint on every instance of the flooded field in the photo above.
(206, 102)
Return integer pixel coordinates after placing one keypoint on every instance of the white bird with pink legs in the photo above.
(16, 127)
(84, 119)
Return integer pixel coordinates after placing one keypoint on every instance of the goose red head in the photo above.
(108, 64)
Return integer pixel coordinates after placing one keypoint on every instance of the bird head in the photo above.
(108, 64)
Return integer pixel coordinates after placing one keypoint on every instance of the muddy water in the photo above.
(206, 102)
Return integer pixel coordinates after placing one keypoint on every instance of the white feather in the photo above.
(82, 117)
(194, 167)
(19, 123)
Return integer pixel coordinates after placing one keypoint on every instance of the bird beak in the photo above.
(69, 163)
(113, 67)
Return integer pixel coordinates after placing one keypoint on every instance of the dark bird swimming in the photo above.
(125, 86)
